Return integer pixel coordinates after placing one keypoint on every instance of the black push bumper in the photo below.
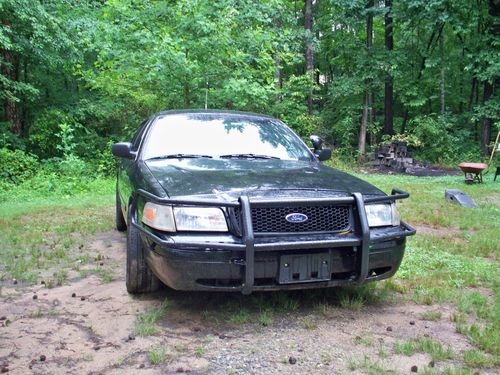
(249, 263)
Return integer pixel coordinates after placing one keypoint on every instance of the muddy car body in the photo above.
(231, 201)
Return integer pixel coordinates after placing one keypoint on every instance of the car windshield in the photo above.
(230, 136)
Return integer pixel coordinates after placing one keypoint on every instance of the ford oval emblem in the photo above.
(296, 218)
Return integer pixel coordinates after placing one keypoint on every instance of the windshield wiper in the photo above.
(247, 156)
(181, 156)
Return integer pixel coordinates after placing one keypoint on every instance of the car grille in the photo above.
(326, 218)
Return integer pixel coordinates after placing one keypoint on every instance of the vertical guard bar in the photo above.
(249, 240)
(365, 234)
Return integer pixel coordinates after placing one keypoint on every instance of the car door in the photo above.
(128, 170)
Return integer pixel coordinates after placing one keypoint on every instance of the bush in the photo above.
(441, 139)
(104, 162)
(17, 166)
(54, 134)
(10, 140)
(70, 166)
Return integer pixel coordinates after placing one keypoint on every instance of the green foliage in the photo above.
(29, 30)
(438, 139)
(17, 166)
(51, 134)
(84, 73)
(10, 140)
(103, 160)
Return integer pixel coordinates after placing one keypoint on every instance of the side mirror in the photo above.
(316, 141)
(123, 150)
(323, 154)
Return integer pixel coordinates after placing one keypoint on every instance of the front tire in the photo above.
(139, 277)
(120, 223)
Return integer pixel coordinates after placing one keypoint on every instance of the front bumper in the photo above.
(249, 263)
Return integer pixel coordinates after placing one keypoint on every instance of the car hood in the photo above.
(216, 178)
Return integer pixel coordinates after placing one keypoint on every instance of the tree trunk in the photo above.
(486, 121)
(472, 92)
(308, 26)
(389, 90)
(25, 107)
(489, 87)
(364, 126)
(187, 91)
(441, 78)
(10, 70)
(462, 80)
(368, 97)
(278, 79)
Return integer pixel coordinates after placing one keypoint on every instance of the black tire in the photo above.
(121, 225)
(139, 277)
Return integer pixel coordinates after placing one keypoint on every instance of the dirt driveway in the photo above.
(87, 326)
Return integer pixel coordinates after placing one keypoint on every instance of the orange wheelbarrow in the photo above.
(473, 172)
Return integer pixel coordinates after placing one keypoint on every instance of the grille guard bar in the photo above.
(248, 239)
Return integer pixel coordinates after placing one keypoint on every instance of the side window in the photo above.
(136, 141)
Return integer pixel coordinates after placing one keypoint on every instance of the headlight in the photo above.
(380, 215)
(209, 219)
(159, 217)
(170, 219)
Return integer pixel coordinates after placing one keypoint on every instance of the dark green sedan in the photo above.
(234, 201)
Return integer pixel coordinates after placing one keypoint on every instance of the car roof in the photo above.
(211, 111)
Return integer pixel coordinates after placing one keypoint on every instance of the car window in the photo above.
(136, 140)
(219, 135)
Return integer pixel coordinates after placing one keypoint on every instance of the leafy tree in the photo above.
(75, 75)
(30, 36)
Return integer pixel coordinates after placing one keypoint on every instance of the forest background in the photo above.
(77, 75)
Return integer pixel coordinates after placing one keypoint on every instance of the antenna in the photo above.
(206, 95)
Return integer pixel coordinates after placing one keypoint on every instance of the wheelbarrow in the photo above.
(473, 172)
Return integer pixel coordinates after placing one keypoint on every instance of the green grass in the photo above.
(157, 355)
(351, 302)
(104, 274)
(433, 316)
(145, 324)
(309, 323)
(457, 261)
(477, 359)
(199, 351)
(453, 260)
(265, 317)
(370, 367)
(240, 316)
(424, 345)
(447, 371)
(42, 232)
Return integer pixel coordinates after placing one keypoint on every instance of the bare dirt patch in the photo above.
(87, 327)
(419, 171)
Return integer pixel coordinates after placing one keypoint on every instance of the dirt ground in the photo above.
(419, 171)
(86, 326)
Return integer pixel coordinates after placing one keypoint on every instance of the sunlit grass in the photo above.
(39, 231)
